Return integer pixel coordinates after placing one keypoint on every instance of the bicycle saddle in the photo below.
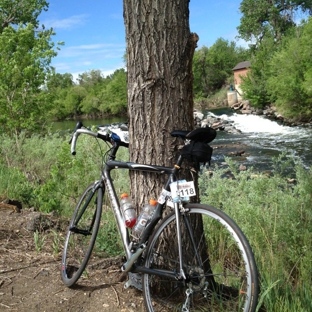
(204, 135)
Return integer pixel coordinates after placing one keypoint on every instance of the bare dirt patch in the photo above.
(30, 279)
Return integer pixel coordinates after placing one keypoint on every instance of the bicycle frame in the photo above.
(132, 257)
(106, 178)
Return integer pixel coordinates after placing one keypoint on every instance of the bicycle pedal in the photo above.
(128, 284)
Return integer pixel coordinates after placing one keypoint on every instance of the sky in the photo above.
(94, 34)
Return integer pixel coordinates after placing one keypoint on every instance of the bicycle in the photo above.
(206, 264)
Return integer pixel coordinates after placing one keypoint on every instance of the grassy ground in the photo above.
(274, 214)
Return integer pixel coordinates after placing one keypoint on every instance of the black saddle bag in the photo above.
(197, 152)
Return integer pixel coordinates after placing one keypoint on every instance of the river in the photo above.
(70, 124)
(264, 139)
(261, 138)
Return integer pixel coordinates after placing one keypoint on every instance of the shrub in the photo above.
(277, 220)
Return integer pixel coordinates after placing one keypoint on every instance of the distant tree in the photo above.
(24, 62)
(306, 55)
(212, 67)
(56, 81)
(254, 84)
(114, 95)
(90, 104)
(264, 17)
(94, 83)
(92, 95)
(202, 86)
(290, 81)
(25, 57)
(73, 101)
(90, 78)
(266, 24)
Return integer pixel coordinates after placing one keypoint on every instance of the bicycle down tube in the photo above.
(115, 165)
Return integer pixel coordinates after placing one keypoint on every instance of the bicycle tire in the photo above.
(81, 235)
(219, 265)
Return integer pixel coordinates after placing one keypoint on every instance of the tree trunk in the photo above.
(160, 50)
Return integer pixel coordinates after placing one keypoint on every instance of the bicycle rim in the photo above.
(220, 270)
(82, 232)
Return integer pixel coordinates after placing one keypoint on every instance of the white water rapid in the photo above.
(266, 139)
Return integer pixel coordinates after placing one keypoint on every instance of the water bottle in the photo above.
(128, 210)
(144, 217)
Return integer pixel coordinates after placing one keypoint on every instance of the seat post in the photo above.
(178, 163)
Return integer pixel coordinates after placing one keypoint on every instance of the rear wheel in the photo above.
(81, 235)
(218, 263)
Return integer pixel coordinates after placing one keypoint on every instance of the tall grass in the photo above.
(42, 173)
(276, 217)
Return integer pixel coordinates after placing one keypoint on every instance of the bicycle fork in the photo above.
(178, 217)
(179, 211)
(73, 227)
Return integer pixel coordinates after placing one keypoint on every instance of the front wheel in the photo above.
(218, 263)
(81, 235)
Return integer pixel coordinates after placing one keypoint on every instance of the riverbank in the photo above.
(244, 107)
(271, 112)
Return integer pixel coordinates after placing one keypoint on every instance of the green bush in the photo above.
(14, 185)
(42, 172)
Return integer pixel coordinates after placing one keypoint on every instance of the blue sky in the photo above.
(94, 33)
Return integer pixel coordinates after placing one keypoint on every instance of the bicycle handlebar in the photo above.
(105, 137)
(204, 135)
(76, 135)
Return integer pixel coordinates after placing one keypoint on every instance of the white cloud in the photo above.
(244, 44)
(105, 73)
(66, 23)
(62, 67)
(102, 50)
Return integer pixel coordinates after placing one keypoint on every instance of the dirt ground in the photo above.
(30, 279)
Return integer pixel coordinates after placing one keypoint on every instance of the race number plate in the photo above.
(182, 190)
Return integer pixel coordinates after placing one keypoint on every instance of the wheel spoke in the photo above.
(219, 268)
(81, 235)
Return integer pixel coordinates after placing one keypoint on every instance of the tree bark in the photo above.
(160, 50)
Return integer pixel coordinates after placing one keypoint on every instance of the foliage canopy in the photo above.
(212, 67)
(262, 17)
(25, 56)
(21, 12)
